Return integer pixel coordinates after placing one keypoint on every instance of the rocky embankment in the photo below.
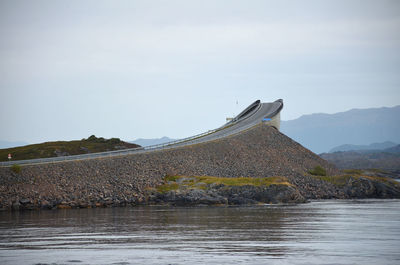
(229, 195)
(260, 153)
(180, 190)
(192, 191)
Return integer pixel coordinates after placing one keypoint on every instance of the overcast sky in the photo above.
(131, 69)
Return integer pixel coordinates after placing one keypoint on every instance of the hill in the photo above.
(393, 150)
(352, 147)
(387, 159)
(322, 132)
(65, 148)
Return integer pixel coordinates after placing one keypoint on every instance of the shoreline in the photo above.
(260, 165)
(167, 205)
(183, 191)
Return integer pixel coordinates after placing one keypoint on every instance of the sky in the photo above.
(147, 69)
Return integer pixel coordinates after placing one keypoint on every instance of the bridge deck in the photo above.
(256, 113)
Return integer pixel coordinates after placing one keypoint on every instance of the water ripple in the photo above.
(329, 232)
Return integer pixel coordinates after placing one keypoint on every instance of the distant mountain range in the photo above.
(374, 146)
(148, 142)
(323, 132)
(386, 159)
(393, 150)
(355, 129)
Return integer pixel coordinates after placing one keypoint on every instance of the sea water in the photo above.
(320, 232)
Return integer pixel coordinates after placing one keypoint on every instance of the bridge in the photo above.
(255, 113)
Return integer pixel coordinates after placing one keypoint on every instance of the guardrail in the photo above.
(169, 145)
(105, 154)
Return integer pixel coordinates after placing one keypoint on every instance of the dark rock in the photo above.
(191, 197)
(313, 188)
(16, 206)
(46, 205)
(25, 201)
(60, 153)
(86, 150)
(237, 195)
(271, 194)
(366, 188)
(284, 194)
(237, 200)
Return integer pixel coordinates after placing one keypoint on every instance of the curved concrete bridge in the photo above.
(254, 114)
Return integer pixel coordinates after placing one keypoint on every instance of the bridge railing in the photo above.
(168, 145)
(176, 143)
(108, 153)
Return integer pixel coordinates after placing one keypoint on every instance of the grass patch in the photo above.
(200, 182)
(167, 187)
(385, 180)
(353, 171)
(171, 178)
(341, 180)
(362, 171)
(244, 181)
(16, 168)
(377, 170)
(318, 171)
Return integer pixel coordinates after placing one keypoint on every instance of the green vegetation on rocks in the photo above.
(206, 190)
(92, 144)
(318, 171)
(340, 180)
(343, 180)
(353, 171)
(201, 182)
(373, 172)
(16, 168)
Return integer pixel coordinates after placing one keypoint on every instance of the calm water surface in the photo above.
(327, 232)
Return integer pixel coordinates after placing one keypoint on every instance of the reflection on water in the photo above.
(329, 232)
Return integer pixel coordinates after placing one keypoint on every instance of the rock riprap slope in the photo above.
(260, 152)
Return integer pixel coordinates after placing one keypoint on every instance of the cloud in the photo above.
(112, 54)
(153, 49)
